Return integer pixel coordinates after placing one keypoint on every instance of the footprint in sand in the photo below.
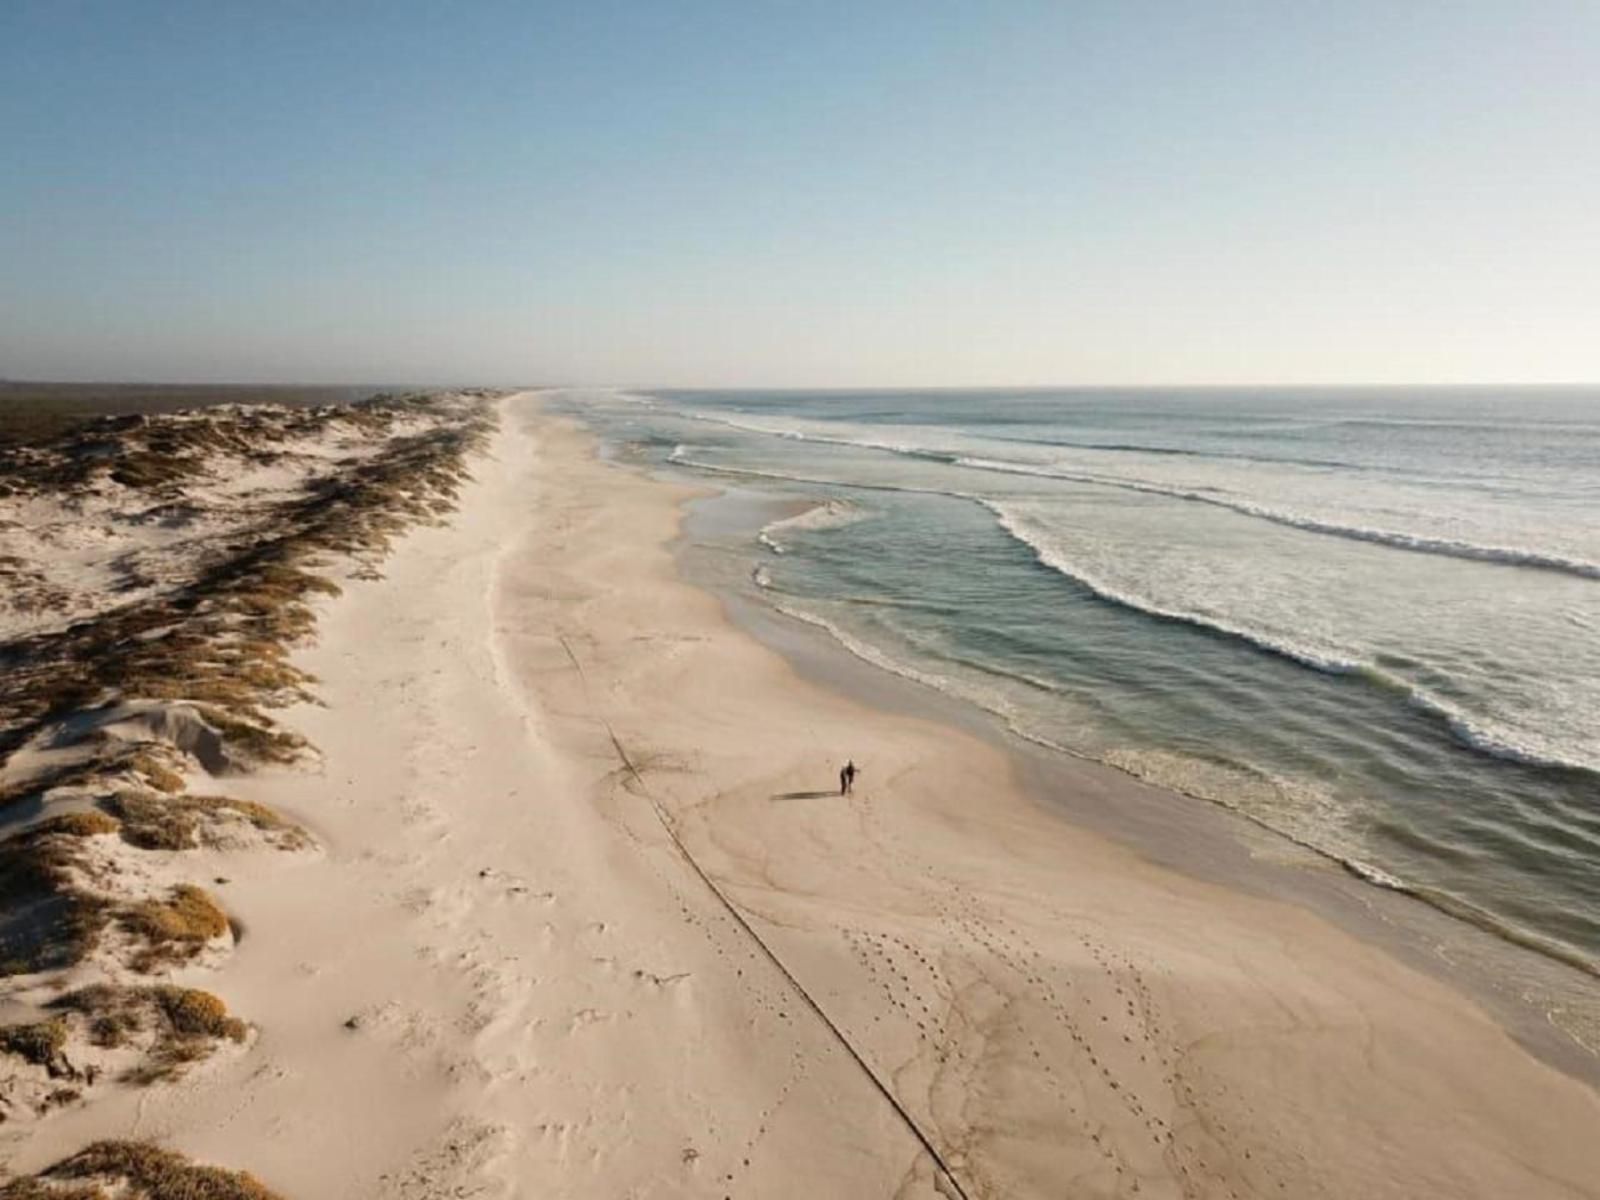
(585, 1017)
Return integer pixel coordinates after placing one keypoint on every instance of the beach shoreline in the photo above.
(1193, 834)
(709, 839)
(590, 918)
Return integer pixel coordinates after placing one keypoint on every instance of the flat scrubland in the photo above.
(30, 411)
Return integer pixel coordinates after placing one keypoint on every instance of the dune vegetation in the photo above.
(157, 571)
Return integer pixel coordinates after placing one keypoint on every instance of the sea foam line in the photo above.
(1466, 730)
(826, 514)
(1417, 543)
(1054, 559)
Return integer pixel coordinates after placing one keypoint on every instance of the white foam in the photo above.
(829, 514)
(1416, 542)
(1052, 557)
(1542, 736)
(1474, 731)
(935, 445)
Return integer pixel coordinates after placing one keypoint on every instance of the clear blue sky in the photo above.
(859, 193)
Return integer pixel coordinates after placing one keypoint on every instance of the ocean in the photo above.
(1368, 619)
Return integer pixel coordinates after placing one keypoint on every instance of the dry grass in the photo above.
(193, 1013)
(48, 919)
(40, 1042)
(88, 823)
(148, 766)
(255, 740)
(109, 757)
(282, 833)
(152, 822)
(26, 589)
(139, 1171)
(64, 775)
(219, 641)
(174, 929)
(151, 470)
(32, 1188)
(155, 822)
(184, 1024)
(113, 1013)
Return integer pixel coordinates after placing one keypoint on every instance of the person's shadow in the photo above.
(802, 795)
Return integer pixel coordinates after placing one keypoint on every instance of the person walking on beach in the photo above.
(847, 777)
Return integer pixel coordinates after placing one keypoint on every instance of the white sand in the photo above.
(551, 1000)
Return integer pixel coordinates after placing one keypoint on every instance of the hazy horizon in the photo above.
(757, 388)
(719, 195)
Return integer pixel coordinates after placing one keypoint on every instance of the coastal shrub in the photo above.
(151, 471)
(174, 929)
(257, 741)
(155, 772)
(137, 1171)
(111, 1011)
(40, 1042)
(184, 1023)
(284, 834)
(48, 920)
(194, 1013)
(32, 1188)
(87, 823)
(173, 645)
(60, 775)
(217, 643)
(153, 822)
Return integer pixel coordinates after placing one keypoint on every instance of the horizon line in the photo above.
(1155, 385)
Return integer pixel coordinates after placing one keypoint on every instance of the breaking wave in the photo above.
(1418, 543)
(1466, 729)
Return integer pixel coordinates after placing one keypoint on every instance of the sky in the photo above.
(742, 193)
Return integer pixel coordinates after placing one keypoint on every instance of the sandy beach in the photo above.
(587, 917)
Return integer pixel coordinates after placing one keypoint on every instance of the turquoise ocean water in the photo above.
(1367, 619)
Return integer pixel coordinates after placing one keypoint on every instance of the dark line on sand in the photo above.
(771, 955)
